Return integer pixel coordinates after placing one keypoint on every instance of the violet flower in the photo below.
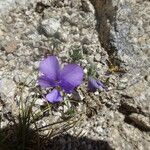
(95, 84)
(67, 78)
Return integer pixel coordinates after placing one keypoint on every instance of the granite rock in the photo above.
(109, 37)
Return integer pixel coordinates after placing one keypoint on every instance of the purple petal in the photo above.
(45, 82)
(101, 85)
(95, 84)
(92, 84)
(71, 76)
(50, 67)
(54, 96)
(68, 88)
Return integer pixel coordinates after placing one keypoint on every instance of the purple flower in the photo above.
(67, 78)
(95, 84)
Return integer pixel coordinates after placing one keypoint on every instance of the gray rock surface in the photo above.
(49, 27)
(8, 88)
(124, 33)
(104, 37)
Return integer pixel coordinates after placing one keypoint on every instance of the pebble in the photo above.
(4, 123)
(10, 47)
(8, 88)
(86, 40)
(96, 93)
(36, 64)
(39, 101)
(98, 129)
(61, 36)
(85, 71)
(9, 20)
(87, 6)
(49, 26)
(97, 57)
(56, 113)
(2, 63)
(76, 96)
(1, 33)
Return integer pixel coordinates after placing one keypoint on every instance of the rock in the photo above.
(10, 47)
(109, 31)
(5, 4)
(49, 26)
(1, 33)
(147, 78)
(137, 89)
(76, 96)
(140, 121)
(2, 63)
(128, 105)
(7, 93)
(4, 123)
(87, 6)
(86, 40)
(0, 85)
(133, 134)
(61, 36)
(140, 93)
(39, 102)
(124, 37)
(8, 88)
(97, 57)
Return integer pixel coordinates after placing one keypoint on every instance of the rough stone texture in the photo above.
(1, 63)
(140, 121)
(8, 88)
(123, 29)
(110, 37)
(10, 47)
(49, 27)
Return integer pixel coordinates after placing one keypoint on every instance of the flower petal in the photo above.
(68, 88)
(92, 84)
(101, 85)
(50, 67)
(95, 84)
(54, 96)
(45, 82)
(72, 76)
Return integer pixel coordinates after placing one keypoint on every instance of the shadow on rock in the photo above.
(12, 140)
